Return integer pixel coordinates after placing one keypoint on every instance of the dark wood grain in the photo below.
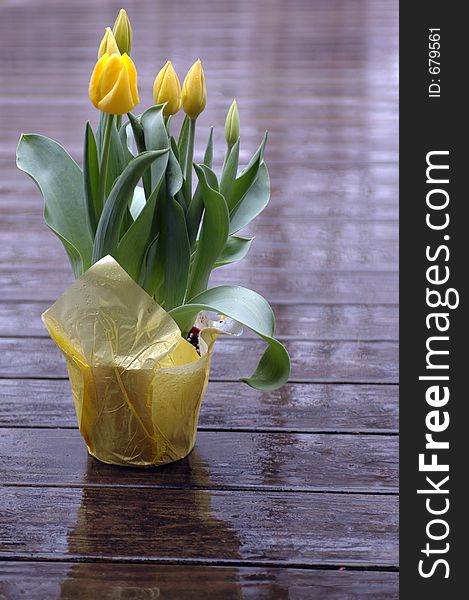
(201, 526)
(367, 362)
(310, 321)
(280, 484)
(367, 201)
(335, 287)
(370, 246)
(108, 581)
(287, 461)
(296, 407)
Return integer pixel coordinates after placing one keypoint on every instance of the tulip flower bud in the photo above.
(113, 84)
(232, 125)
(122, 31)
(167, 89)
(108, 44)
(194, 92)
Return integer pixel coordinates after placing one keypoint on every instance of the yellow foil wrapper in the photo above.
(136, 383)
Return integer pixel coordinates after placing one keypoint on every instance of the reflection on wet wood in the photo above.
(370, 246)
(327, 245)
(285, 461)
(194, 525)
(367, 362)
(296, 407)
(109, 581)
(300, 285)
(363, 200)
(310, 321)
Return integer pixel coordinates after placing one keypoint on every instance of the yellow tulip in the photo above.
(232, 125)
(108, 44)
(167, 89)
(113, 84)
(123, 32)
(194, 92)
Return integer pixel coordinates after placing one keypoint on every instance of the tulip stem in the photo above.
(227, 153)
(104, 161)
(189, 161)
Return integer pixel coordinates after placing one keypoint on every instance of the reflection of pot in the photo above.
(136, 383)
(154, 524)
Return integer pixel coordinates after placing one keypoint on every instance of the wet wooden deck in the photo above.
(291, 494)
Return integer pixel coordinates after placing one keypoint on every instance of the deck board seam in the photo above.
(284, 338)
(203, 562)
(283, 430)
(290, 381)
(393, 491)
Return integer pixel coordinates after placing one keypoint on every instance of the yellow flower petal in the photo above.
(113, 84)
(108, 44)
(194, 91)
(132, 71)
(167, 88)
(119, 99)
(93, 89)
(110, 74)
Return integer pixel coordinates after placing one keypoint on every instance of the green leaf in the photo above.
(139, 138)
(124, 133)
(156, 138)
(152, 275)
(137, 130)
(253, 202)
(235, 250)
(183, 143)
(117, 156)
(260, 151)
(174, 178)
(213, 234)
(174, 252)
(230, 169)
(60, 181)
(174, 147)
(91, 179)
(168, 123)
(132, 248)
(251, 310)
(109, 227)
(196, 207)
(208, 154)
(100, 131)
(247, 177)
(117, 160)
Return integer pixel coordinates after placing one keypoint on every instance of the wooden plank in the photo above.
(44, 581)
(385, 152)
(277, 285)
(364, 182)
(295, 407)
(19, 200)
(199, 526)
(370, 247)
(310, 321)
(106, 581)
(364, 362)
(241, 460)
(29, 215)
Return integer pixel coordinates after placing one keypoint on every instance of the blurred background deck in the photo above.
(290, 494)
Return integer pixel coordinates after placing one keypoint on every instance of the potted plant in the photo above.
(142, 242)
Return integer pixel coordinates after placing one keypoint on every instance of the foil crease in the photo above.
(136, 383)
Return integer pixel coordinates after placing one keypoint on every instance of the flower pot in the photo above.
(136, 383)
